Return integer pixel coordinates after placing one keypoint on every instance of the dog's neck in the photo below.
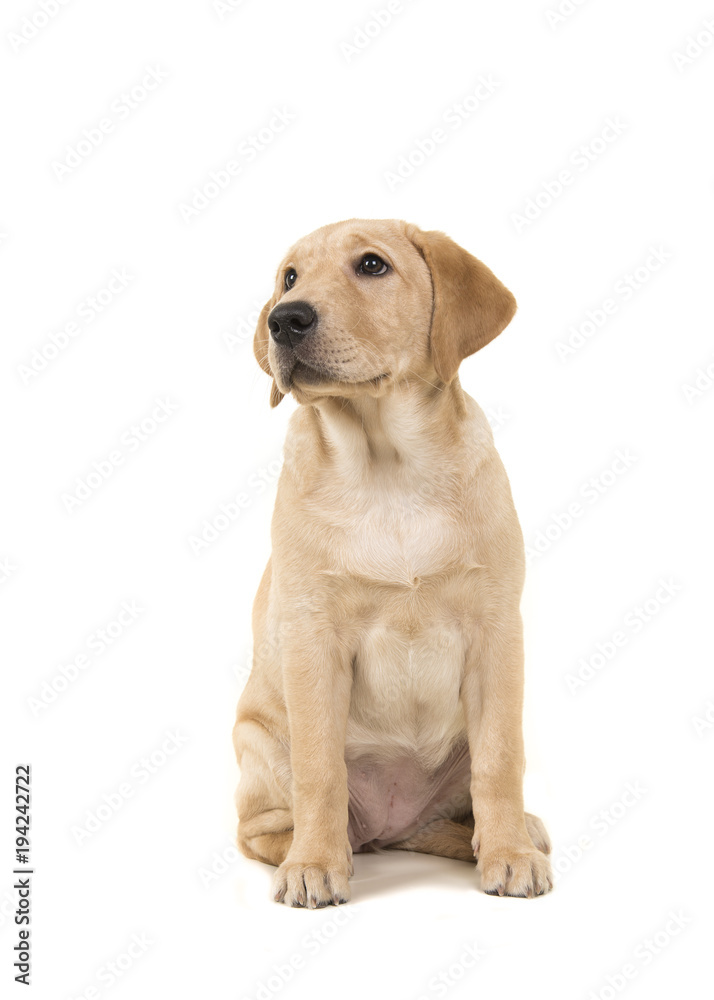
(414, 425)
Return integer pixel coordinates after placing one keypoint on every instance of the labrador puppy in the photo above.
(383, 710)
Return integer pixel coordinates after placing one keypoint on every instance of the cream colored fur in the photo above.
(387, 624)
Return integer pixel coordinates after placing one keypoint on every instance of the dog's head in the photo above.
(362, 304)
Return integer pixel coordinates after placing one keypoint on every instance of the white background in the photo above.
(178, 332)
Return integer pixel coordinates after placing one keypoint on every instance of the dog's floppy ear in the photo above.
(471, 306)
(261, 340)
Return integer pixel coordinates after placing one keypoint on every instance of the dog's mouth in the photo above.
(307, 374)
(304, 374)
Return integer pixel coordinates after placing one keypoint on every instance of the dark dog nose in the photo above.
(289, 322)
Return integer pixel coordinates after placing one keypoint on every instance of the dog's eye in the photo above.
(372, 264)
(290, 279)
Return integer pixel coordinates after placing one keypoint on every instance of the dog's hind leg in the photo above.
(446, 838)
(265, 819)
(272, 848)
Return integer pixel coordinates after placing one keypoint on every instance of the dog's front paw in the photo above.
(311, 884)
(515, 872)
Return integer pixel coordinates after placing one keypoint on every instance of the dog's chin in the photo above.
(304, 374)
(292, 374)
(307, 381)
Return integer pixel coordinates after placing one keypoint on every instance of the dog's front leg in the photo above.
(317, 679)
(492, 697)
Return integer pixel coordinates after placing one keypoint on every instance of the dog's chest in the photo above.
(408, 551)
(398, 536)
(407, 672)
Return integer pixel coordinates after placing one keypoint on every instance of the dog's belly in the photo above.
(406, 749)
(388, 801)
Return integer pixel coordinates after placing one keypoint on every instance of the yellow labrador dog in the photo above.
(385, 701)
